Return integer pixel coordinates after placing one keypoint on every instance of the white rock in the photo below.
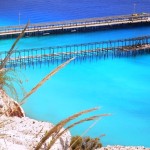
(24, 134)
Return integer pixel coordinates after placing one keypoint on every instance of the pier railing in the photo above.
(74, 25)
(113, 48)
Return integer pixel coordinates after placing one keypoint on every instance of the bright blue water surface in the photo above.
(120, 86)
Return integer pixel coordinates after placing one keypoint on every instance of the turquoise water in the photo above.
(120, 86)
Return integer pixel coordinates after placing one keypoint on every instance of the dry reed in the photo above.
(45, 79)
(71, 126)
(59, 126)
(3, 63)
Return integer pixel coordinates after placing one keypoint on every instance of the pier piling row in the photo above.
(74, 25)
(104, 49)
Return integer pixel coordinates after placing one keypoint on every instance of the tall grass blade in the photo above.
(72, 125)
(45, 79)
(12, 48)
(58, 127)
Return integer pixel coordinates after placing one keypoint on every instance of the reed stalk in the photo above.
(59, 126)
(3, 63)
(44, 80)
(71, 126)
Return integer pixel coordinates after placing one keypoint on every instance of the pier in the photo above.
(74, 25)
(114, 48)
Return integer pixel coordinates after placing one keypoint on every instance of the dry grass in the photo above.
(85, 143)
(85, 132)
(44, 80)
(8, 76)
(56, 130)
(9, 80)
(72, 125)
(60, 125)
(3, 63)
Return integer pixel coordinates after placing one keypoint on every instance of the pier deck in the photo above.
(104, 49)
(74, 25)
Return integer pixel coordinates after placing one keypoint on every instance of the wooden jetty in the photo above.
(74, 25)
(104, 49)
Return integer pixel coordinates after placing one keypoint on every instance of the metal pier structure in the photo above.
(114, 48)
(74, 25)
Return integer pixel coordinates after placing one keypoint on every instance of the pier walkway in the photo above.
(104, 49)
(74, 25)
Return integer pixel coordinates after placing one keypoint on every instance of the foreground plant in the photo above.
(7, 75)
(9, 53)
(58, 130)
(85, 143)
(9, 80)
(44, 80)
